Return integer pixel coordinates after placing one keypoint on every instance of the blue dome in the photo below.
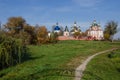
(57, 28)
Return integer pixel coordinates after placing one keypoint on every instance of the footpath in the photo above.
(80, 69)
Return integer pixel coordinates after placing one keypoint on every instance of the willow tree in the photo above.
(111, 29)
(12, 51)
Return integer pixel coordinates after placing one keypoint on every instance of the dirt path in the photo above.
(80, 69)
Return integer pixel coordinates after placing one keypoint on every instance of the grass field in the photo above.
(47, 61)
(104, 67)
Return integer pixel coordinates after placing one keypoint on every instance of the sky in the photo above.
(65, 12)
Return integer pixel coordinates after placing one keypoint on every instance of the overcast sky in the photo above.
(48, 12)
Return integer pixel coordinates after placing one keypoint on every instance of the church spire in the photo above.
(57, 23)
(66, 29)
(75, 23)
(94, 21)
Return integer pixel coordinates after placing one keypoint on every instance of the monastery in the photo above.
(93, 33)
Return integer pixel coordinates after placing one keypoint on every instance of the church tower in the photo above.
(57, 28)
(75, 28)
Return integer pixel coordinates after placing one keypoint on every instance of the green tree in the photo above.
(111, 29)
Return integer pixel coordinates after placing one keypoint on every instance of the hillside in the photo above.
(50, 62)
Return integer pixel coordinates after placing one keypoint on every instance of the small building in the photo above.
(66, 32)
(95, 32)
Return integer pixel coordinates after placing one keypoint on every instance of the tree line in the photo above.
(18, 28)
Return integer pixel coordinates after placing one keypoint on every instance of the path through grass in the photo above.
(63, 55)
(104, 67)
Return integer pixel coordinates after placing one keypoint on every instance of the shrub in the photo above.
(53, 38)
(111, 55)
(106, 36)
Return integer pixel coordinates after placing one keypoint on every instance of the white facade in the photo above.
(95, 31)
(56, 31)
(66, 33)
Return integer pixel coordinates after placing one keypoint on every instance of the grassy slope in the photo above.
(65, 54)
(104, 68)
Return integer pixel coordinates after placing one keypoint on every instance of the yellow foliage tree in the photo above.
(106, 36)
(42, 35)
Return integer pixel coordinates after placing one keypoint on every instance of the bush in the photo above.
(111, 55)
(76, 34)
(53, 38)
(12, 51)
(106, 36)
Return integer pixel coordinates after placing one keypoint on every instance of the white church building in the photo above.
(95, 31)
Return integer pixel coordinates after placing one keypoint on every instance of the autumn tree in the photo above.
(41, 35)
(76, 35)
(15, 24)
(18, 28)
(30, 30)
